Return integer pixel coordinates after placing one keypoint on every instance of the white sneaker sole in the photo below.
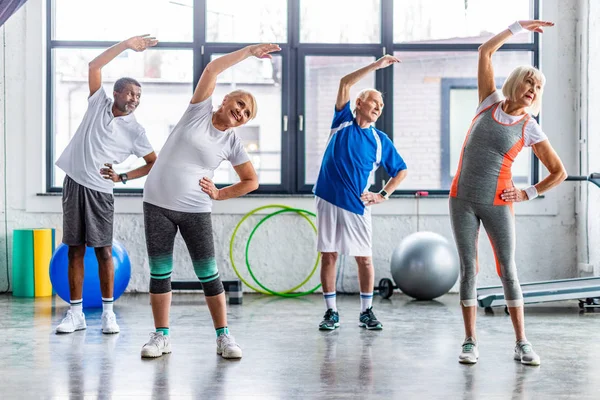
(62, 331)
(165, 351)
(532, 363)
(230, 356)
(110, 332)
(467, 361)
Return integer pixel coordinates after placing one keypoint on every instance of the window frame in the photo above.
(447, 85)
(293, 53)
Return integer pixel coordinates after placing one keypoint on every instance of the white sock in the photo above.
(107, 304)
(366, 300)
(77, 306)
(330, 300)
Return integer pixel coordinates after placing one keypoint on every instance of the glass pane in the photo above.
(166, 79)
(435, 99)
(169, 21)
(462, 104)
(340, 21)
(262, 135)
(458, 21)
(246, 21)
(323, 74)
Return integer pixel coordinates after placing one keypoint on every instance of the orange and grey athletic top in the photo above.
(489, 150)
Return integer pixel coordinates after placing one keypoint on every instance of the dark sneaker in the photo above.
(331, 320)
(368, 320)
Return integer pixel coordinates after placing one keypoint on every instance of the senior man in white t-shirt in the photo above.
(107, 135)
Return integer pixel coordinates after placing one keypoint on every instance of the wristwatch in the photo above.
(123, 178)
(385, 194)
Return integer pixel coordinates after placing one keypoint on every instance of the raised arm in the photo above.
(208, 79)
(136, 43)
(351, 79)
(485, 72)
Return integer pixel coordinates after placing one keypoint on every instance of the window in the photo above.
(340, 21)
(457, 21)
(429, 98)
(459, 99)
(166, 86)
(243, 21)
(431, 116)
(321, 84)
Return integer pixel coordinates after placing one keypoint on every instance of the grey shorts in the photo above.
(87, 215)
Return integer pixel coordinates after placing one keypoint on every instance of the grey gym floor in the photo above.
(286, 357)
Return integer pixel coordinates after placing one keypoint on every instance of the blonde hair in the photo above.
(518, 76)
(252, 106)
(363, 94)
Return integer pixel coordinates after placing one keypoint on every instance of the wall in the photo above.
(282, 250)
(590, 89)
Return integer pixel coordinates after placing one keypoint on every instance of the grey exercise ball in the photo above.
(425, 265)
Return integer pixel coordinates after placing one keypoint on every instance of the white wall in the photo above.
(282, 251)
(591, 86)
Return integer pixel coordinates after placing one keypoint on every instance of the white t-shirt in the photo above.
(533, 132)
(101, 138)
(194, 149)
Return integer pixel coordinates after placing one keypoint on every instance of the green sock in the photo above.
(222, 331)
(165, 331)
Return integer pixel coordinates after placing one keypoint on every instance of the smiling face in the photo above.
(128, 99)
(237, 109)
(369, 106)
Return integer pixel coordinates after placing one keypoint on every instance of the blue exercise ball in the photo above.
(92, 297)
(425, 265)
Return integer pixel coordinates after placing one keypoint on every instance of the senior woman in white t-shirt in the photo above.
(179, 192)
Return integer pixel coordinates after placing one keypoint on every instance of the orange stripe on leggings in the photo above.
(498, 269)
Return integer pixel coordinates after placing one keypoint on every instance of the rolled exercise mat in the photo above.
(23, 277)
(43, 247)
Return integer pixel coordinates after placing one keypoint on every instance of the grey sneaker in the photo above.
(469, 353)
(72, 322)
(227, 347)
(368, 320)
(156, 346)
(331, 321)
(524, 353)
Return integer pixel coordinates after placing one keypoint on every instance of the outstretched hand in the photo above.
(141, 43)
(263, 50)
(209, 188)
(386, 61)
(535, 25)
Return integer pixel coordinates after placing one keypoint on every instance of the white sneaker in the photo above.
(227, 347)
(156, 346)
(71, 322)
(469, 353)
(109, 322)
(524, 353)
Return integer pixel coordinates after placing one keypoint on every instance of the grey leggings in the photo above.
(161, 226)
(499, 223)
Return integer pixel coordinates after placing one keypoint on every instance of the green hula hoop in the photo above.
(283, 294)
(231, 243)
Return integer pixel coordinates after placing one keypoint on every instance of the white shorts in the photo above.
(344, 232)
